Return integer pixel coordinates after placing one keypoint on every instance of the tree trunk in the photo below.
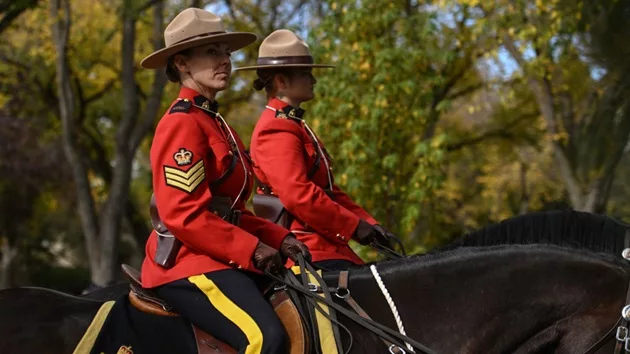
(102, 242)
(524, 205)
(87, 214)
(7, 257)
(544, 97)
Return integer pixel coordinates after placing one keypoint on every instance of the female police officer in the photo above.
(292, 163)
(201, 183)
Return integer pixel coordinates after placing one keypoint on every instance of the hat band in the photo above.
(197, 36)
(301, 59)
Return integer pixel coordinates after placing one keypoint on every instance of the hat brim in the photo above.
(235, 40)
(256, 67)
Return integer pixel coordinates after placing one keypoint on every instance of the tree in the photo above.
(102, 230)
(31, 167)
(11, 9)
(585, 109)
(379, 110)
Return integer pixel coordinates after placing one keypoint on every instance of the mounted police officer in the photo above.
(293, 165)
(207, 251)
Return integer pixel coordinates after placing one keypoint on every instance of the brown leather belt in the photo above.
(168, 245)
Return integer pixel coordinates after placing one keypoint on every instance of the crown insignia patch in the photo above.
(124, 350)
(183, 157)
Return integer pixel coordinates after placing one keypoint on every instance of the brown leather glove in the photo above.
(267, 259)
(291, 247)
(385, 237)
(365, 233)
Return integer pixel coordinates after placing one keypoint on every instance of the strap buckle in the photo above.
(622, 334)
(342, 293)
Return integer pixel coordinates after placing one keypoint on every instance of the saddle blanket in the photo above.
(120, 328)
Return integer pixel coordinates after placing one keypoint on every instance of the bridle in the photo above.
(620, 331)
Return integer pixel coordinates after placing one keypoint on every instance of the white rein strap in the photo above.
(391, 303)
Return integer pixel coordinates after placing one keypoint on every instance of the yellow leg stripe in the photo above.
(232, 312)
(324, 326)
(87, 342)
(296, 269)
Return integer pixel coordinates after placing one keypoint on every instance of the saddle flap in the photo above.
(144, 299)
(292, 321)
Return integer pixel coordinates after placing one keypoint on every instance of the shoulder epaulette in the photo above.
(182, 106)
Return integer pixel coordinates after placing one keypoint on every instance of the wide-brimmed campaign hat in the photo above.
(283, 48)
(191, 28)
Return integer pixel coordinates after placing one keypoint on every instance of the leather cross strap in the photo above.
(373, 326)
(344, 293)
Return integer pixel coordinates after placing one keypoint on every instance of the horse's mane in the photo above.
(415, 262)
(568, 228)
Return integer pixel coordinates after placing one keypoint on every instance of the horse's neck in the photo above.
(476, 296)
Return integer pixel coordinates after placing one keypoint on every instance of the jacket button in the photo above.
(240, 267)
(232, 262)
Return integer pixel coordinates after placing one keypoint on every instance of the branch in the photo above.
(157, 89)
(98, 94)
(12, 14)
(228, 3)
(100, 163)
(466, 91)
(146, 5)
(502, 133)
(296, 9)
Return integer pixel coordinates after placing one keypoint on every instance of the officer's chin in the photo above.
(309, 97)
(220, 85)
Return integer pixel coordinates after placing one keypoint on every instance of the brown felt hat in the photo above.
(191, 28)
(283, 48)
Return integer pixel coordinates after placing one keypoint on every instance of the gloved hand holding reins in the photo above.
(291, 247)
(267, 259)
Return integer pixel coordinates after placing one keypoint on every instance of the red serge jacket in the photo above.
(284, 153)
(191, 150)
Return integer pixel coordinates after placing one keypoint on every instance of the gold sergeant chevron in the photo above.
(185, 180)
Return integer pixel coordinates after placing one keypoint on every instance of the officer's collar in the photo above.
(211, 108)
(291, 112)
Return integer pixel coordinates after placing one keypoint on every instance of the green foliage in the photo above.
(373, 108)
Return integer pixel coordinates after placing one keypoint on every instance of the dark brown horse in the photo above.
(504, 299)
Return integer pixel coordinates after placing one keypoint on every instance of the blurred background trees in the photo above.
(441, 117)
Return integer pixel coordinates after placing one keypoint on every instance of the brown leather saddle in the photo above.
(147, 301)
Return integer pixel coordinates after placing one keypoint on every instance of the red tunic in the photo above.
(189, 151)
(284, 153)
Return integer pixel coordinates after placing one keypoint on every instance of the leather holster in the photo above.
(168, 245)
(269, 206)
